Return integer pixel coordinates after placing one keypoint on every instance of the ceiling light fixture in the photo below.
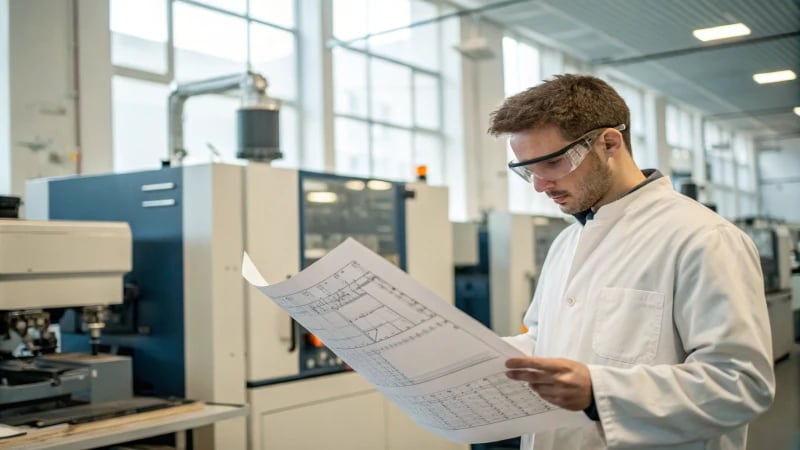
(721, 32)
(774, 77)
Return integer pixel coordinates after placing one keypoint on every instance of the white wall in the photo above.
(40, 91)
(455, 162)
(41, 84)
(779, 179)
(94, 62)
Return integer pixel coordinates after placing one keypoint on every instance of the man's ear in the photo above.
(612, 142)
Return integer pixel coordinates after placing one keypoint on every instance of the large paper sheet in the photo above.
(440, 366)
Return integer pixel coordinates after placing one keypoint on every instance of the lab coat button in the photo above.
(571, 301)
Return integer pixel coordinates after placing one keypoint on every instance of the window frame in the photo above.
(370, 121)
(168, 77)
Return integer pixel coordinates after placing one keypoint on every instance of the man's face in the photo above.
(580, 189)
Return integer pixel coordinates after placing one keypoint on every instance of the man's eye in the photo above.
(554, 162)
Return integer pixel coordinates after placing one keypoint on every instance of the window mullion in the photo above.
(370, 127)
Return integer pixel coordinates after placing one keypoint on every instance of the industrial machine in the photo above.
(794, 231)
(47, 267)
(498, 265)
(775, 248)
(195, 329)
(9, 207)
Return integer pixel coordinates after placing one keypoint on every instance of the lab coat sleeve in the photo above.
(726, 380)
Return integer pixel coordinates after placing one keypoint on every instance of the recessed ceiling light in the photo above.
(721, 32)
(774, 77)
(797, 110)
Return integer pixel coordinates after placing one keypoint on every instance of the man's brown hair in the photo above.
(575, 104)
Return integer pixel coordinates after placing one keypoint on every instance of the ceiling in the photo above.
(651, 41)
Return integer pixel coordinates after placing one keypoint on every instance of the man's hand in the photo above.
(562, 382)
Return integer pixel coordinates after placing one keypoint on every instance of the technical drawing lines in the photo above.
(383, 372)
(354, 308)
(489, 400)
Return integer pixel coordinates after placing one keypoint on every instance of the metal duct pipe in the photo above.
(257, 129)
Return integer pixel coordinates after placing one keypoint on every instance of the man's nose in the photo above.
(541, 185)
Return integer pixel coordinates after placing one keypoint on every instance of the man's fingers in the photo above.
(562, 382)
(530, 362)
(531, 376)
(545, 389)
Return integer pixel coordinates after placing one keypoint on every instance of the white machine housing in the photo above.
(59, 264)
(516, 242)
(341, 410)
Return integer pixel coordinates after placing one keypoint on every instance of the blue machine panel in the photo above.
(156, 332)
(472, 290)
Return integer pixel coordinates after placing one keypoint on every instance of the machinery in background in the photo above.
(197, 330)
(775, 248)
(47, 267)
(9, 207)
(498, 265)
(794, 230)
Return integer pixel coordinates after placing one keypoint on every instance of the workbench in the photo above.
(178, 420)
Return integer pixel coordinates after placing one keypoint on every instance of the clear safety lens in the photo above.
(556, 168)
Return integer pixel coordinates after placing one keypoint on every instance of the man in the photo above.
(650, 313)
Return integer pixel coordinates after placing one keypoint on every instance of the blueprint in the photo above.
(440, 366)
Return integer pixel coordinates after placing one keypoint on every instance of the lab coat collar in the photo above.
(618, 205)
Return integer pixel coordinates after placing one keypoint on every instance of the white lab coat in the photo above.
(664, 301)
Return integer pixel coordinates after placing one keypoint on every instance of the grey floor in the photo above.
(779, 428)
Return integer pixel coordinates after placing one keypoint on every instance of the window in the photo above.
(744, 161)
(731, 171)
(265, 41)
(200, 54)
(139, 35)
(679, 127)
(387, 90)
(520, 66)
(138, 105)
(351, 146)
(634, 98)
(680, 138)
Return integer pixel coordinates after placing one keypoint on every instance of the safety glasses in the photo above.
(560, 163)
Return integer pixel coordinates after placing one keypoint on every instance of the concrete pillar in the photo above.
(5, 104)
(485, 156)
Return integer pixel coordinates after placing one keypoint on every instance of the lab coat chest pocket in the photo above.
(627, 325)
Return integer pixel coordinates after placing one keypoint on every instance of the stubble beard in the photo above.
(596, 184)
